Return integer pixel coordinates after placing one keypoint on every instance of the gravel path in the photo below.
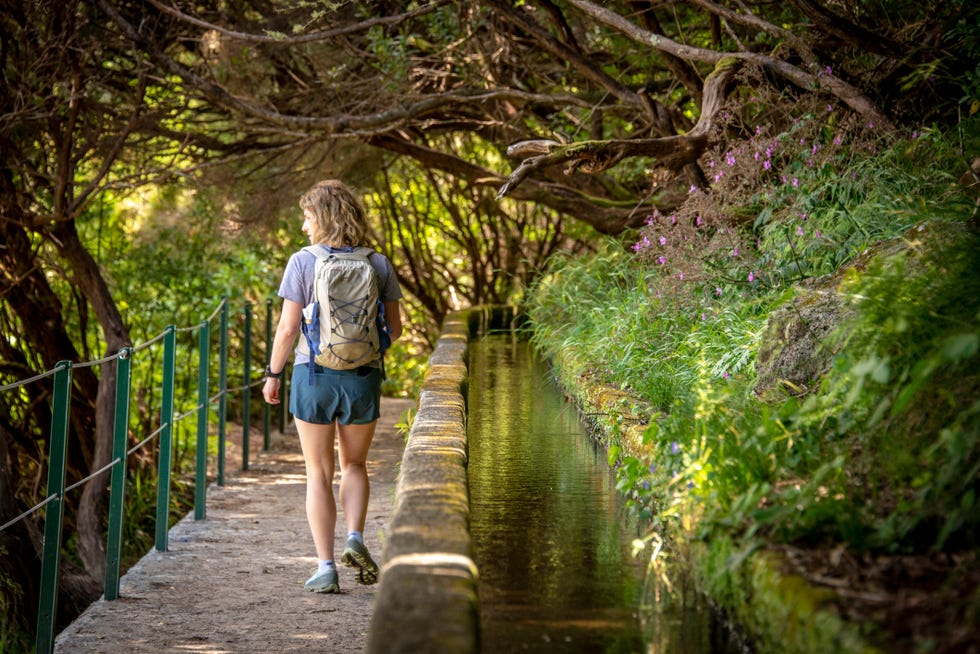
(234, 582)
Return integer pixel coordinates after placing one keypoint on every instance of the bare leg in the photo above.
(317, 442)
(355, 488)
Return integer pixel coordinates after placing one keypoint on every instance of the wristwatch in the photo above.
(274, 375)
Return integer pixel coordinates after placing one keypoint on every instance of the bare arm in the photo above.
(393, 316)
(286, 331)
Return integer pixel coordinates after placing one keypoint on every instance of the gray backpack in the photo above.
(341, 326)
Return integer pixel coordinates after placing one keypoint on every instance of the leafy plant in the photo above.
(883, 455)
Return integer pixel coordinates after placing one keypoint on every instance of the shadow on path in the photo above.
(234, 582)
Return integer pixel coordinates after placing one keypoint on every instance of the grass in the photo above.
(881, 453)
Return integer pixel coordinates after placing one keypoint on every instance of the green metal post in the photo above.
(247, 391)
(266, 409)
(222, 390)
(203, 408)
(166, 438)
(117, 483)
(54, 514)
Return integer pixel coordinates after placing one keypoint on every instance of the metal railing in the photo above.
(56, 491)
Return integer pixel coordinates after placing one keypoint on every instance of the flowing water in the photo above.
(552, 538)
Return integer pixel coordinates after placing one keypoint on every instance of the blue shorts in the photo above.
(350, 397)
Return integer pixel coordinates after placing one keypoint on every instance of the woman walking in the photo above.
(329, 404)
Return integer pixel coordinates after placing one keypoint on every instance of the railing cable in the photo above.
(61, 399)
(24, 382)
(92, 476)
(29, 512)
(97, 362)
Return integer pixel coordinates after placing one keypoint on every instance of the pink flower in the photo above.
(751, 277)
(718, 291)
(799, 230)
(663, 240)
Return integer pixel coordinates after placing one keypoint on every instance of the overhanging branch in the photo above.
(672, 152)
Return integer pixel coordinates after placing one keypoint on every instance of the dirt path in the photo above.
(234, 582)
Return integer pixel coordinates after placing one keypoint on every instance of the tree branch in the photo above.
(673, 152)
(575, 58)
(837, 25)
(297, 40)
(605, 216)
(837, 87)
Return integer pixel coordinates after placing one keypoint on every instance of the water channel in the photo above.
(552, 538)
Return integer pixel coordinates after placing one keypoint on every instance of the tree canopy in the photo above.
(488, 136)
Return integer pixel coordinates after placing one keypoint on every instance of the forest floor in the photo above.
(234, 581)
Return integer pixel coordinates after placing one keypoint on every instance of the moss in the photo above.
(779, 612)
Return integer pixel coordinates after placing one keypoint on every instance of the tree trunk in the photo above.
(36, 312)
(39, 311)
(88, 277)
(20, 562)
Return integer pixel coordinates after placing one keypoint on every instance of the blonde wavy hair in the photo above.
(338, 214)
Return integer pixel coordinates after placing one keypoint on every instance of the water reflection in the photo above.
(555, 567)
(552, 538)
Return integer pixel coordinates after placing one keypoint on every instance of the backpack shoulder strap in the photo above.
(317, 250)
(364, 251)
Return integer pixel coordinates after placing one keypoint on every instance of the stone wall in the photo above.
(427, 593)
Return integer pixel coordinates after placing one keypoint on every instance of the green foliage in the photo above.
(405, 366)
(904, 394)
(454, 245)
(404, 424)
(170, 259)
(180, 262)
(884, 454)
(139, 525)
(13, 636)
